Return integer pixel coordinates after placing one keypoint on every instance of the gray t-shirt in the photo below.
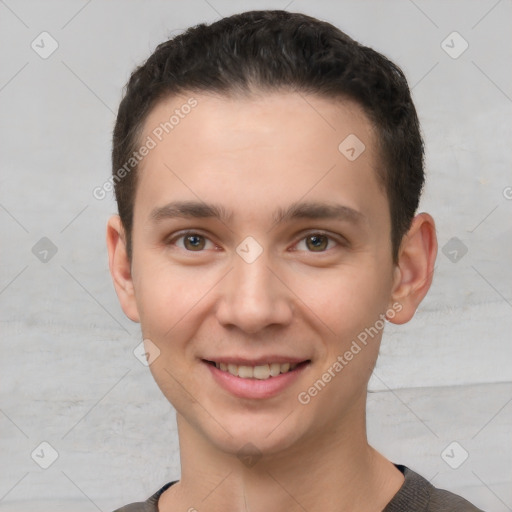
(415, 495)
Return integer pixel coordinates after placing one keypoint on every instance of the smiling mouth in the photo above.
(259, 372)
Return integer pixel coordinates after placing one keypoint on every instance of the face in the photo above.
(261, 250)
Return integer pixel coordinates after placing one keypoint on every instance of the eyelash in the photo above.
(341, 242)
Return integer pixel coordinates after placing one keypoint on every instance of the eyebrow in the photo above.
(190, 209)
(317, 210)
(298, 210)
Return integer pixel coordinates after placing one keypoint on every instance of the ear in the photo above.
(415, 268)
(120, 267)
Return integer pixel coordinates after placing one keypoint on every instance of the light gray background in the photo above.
(68, 373)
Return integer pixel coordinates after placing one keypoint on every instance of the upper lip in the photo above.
(245, 361)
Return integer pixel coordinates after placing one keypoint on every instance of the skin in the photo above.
(252, 156)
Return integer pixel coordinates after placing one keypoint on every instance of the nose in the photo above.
(253, 297)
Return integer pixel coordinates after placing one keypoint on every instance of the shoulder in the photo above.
(441, 500)
(420, 495)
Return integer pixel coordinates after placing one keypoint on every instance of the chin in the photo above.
(257, 435)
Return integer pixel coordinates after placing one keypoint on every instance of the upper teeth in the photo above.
(261, 372)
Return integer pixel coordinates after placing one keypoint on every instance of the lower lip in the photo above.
(255, 388)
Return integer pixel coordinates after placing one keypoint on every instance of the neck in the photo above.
(332, 470)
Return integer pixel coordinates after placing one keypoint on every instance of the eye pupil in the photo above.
(194, 242)
(317, 242)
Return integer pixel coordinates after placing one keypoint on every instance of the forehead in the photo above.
(259, 152)
(283, 120)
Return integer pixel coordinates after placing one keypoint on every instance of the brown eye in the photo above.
(194, 242)
(190, 241)
(317, 243)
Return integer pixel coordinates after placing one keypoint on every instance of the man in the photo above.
(267, 171)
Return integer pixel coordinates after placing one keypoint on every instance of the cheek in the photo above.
(172, 302)
(167, 295)
(344, 301)
(347, 308)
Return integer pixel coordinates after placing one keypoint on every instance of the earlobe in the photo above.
(415, 268)
(120, 268)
